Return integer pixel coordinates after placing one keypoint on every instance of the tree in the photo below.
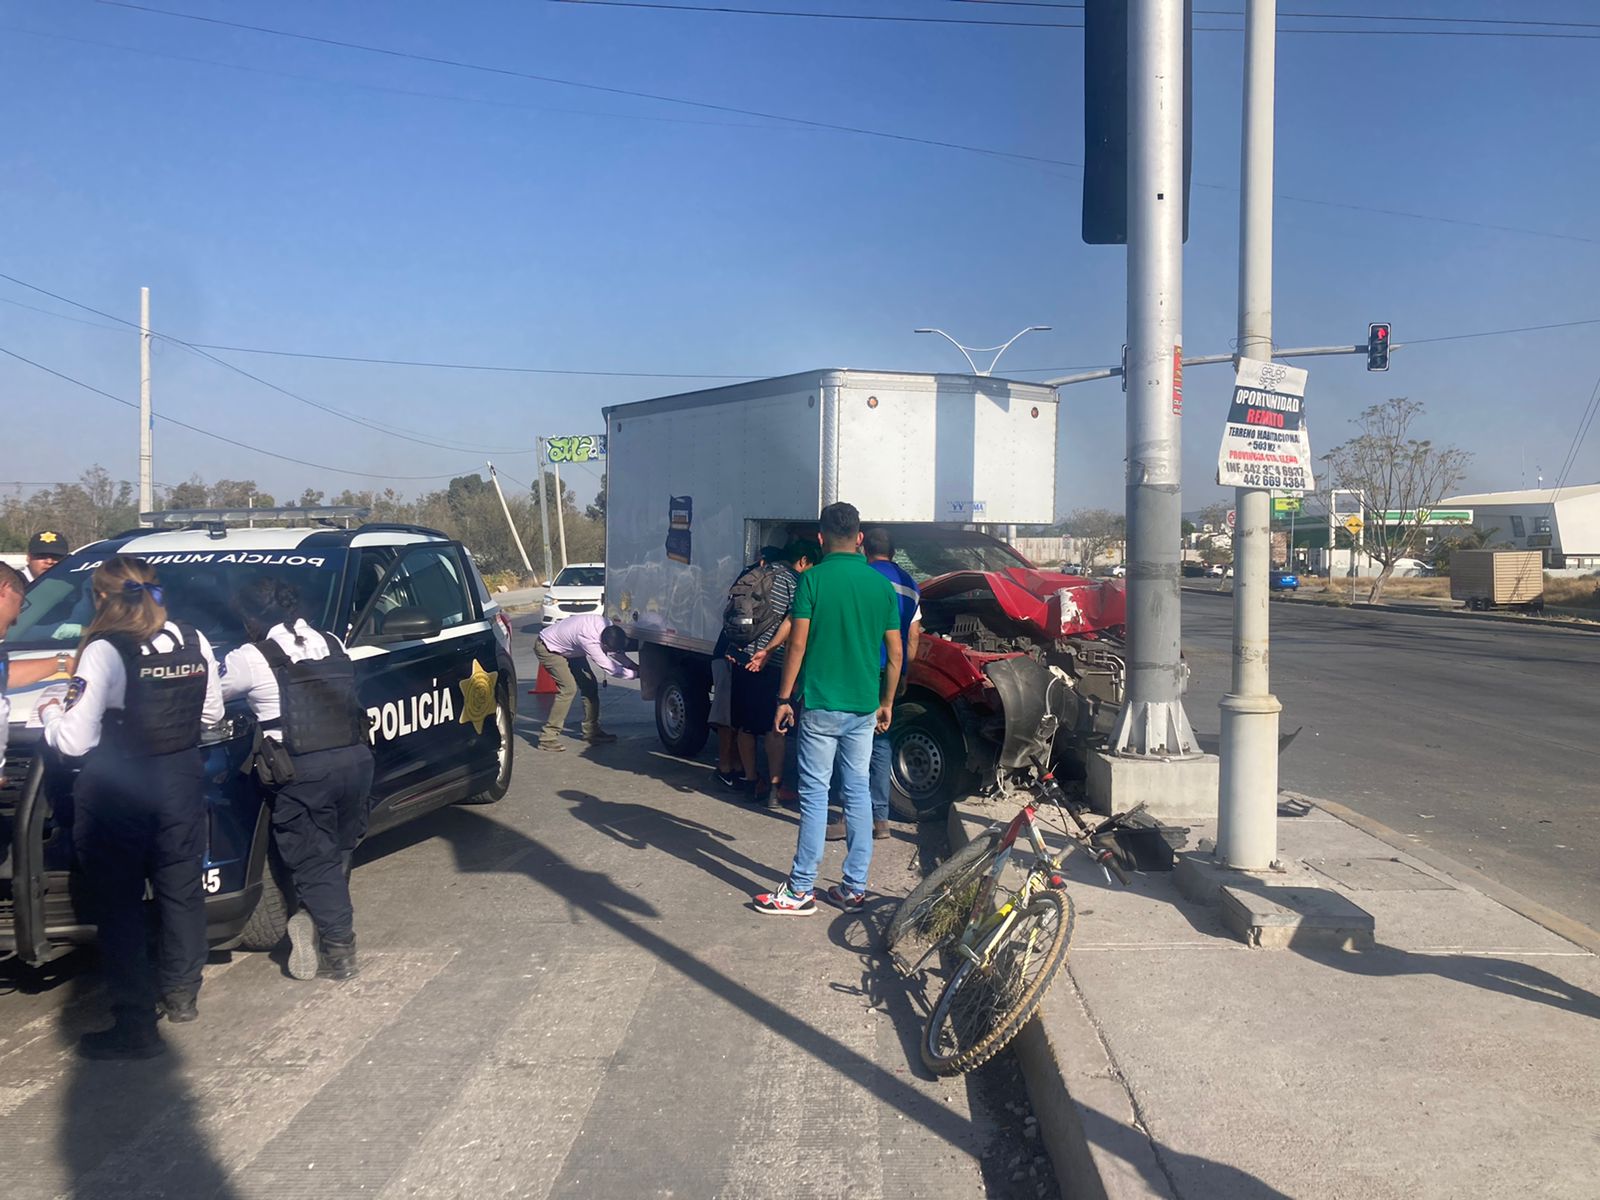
(1187, 528)
(1395, 473)
(597, 509)
(191, 494)
(310, 498)
(1093, 532)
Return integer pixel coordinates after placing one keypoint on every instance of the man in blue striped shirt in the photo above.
(879, 548)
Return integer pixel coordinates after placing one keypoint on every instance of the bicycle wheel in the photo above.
(935, 911)
(982, 1009)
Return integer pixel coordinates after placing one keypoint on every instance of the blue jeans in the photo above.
(823, 737)
(880, 777)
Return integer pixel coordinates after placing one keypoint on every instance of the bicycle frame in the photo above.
(984, 929)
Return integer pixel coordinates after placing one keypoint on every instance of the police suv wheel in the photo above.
(269, 920)
(505, 723)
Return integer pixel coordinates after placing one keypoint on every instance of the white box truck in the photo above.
(700, 482)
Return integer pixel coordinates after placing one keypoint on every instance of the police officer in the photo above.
(300, 684)
(45, 549)
(145, 688)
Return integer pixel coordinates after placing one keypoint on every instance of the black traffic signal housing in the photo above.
(1378, 346)
(1105, 120)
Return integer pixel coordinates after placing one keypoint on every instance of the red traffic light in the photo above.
(1383, 331)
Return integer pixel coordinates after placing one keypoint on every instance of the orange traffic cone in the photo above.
(544, 685)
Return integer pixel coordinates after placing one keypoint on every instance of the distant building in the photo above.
(1563, 523)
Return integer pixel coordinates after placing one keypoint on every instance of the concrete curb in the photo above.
(1579, 625)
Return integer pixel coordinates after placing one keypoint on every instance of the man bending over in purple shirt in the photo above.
(566, 649)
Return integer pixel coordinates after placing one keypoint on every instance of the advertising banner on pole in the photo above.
(1266, 443)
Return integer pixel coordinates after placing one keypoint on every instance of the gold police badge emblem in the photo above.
(477, 696)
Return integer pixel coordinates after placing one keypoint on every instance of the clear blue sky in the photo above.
(306, 203)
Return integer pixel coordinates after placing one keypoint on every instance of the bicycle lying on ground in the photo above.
(1007, 952)
(1005, 945)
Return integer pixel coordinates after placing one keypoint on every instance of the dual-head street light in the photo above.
(968, 351)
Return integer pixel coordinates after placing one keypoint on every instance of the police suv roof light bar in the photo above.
(178, 517)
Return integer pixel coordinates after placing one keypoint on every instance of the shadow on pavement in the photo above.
(130, 1129)
(1504, 975)
(642, 827)
(1180, 1173)
(596, 895)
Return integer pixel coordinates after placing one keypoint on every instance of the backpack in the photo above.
(749, 612)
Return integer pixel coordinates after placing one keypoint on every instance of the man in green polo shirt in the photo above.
(845, 617)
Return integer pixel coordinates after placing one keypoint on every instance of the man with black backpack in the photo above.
(755, 627)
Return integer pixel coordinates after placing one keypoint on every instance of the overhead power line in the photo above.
(1309, 16)
(1585, 422)
(89, 387)
(809, 14)
(1038, 160)
(464, 65)
(420, 439)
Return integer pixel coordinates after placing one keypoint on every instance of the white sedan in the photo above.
(578, 588)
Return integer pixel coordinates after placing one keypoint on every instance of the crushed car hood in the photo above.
(1047, 604)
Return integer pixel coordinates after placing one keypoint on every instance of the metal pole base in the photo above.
(1247, 793)
(1154, 729)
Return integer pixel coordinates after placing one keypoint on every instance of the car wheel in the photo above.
(505, 722)
(682, 710)
(269, 920)
(927, 761)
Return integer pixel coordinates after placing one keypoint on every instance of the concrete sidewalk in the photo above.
(1459, 1056)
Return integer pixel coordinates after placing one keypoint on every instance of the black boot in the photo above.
(337, 960)
(129, 1038)
(179, 1007)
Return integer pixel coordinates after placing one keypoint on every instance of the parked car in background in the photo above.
(578, 588)
(1411, 568)
(1281, 579)
(1216, 571)
(1194, 570)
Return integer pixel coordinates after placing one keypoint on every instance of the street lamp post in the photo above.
(968, 351)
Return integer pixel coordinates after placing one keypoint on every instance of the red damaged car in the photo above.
(982, 601)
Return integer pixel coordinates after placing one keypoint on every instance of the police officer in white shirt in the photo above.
(13, 590)
(301, 686)
(144, 690)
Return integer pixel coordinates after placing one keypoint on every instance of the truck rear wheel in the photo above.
(927, 762)
(682, 707)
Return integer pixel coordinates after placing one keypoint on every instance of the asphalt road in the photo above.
(1479, 739)
(562, 994)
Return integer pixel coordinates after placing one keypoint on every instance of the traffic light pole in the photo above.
(1153, 725)
(1247, 796)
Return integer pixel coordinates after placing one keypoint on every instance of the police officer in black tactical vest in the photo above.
(300, 684)
(145, 687)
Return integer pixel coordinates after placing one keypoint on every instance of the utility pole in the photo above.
(561, 520)
(544, 515)
(1247, 796)
(147, 500)
(505, 508)
(1153, 725)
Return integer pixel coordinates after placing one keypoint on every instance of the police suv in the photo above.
(432, 654)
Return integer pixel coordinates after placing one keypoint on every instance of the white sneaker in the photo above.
(302, 946)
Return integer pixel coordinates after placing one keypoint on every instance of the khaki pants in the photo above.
(572, 677)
